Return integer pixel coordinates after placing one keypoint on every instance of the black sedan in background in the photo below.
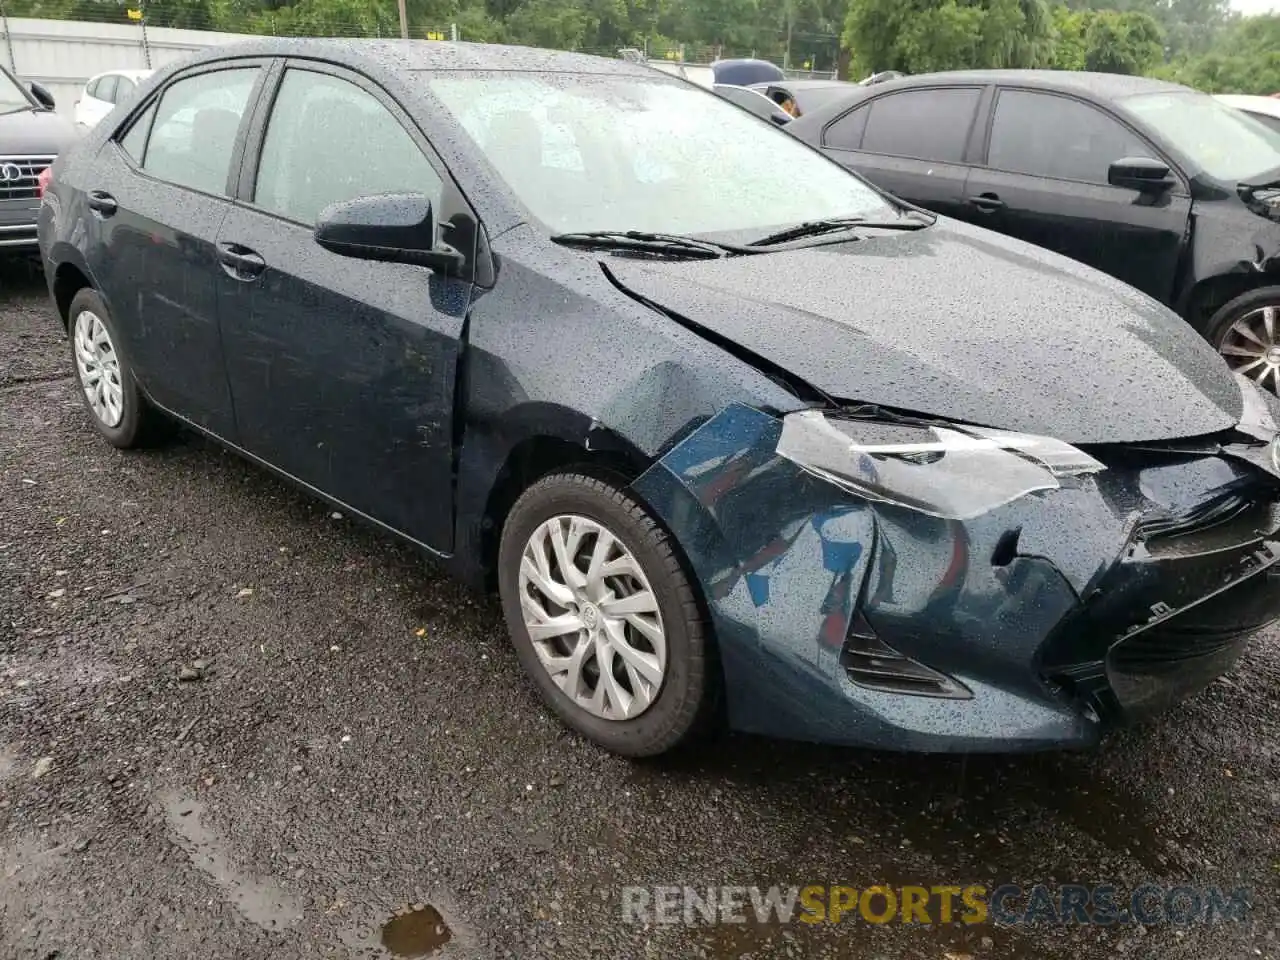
(1157, 184)
(746, 440)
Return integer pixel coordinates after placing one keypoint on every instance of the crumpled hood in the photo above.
(961, 323)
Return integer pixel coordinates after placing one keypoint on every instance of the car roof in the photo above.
(415, 55)
(1104, 86)
(131, 74)
(803, 84)
(1268, 105)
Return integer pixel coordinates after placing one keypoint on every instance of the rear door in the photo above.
(1045, 181)
(344, 370)
(912, 143)
(157, 193)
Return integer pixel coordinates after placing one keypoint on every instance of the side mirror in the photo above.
(41, 93)
(1140, 173)
(393, 228)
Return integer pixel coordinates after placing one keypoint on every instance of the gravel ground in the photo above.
(354, 737)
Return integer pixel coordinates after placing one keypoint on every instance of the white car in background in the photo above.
(104, 91)
(1263, 109)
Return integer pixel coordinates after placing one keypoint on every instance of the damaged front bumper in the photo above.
(1026, 595)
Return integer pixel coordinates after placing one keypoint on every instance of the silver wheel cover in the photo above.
(1252, 346)
(99, 368)
(592, 617)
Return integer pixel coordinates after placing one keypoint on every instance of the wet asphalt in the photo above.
(233, 725)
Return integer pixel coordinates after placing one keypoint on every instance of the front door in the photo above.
(1045, 181)
(343, 370)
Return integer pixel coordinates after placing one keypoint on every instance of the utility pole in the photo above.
(404, 22)
(786, 54)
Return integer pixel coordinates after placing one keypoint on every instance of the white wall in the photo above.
(63, 54)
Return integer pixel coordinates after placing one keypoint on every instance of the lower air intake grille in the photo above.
(872, 663)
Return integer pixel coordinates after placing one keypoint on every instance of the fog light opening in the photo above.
(871, 663)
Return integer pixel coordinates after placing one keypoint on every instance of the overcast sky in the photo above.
(1255, 6)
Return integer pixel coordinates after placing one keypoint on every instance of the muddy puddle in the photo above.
(419, 932)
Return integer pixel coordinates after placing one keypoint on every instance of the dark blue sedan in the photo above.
(744, 440)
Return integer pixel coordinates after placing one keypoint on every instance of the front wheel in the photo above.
(603, 617)
(1246, 331)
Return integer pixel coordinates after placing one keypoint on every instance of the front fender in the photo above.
(1232, 248)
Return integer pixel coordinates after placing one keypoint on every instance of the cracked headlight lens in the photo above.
(951, 472)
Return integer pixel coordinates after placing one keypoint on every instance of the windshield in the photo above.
(624, 153)
(1228, 145)
(12, 96)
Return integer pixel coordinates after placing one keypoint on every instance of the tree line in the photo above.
(1198, 42)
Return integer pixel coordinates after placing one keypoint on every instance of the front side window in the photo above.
(1228, 144)
(329, 141)
(1049, 136)
(922, 124)
(194, 132)
(586, 152)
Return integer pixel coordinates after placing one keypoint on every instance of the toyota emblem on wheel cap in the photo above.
(10, 172)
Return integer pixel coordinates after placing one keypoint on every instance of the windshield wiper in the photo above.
(816, 228)
(671, 243)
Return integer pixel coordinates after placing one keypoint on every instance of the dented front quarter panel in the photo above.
(575, 360)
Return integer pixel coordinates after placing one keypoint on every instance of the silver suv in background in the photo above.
(31, 136)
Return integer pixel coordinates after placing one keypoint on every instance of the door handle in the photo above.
(102, 203)
(240, 262)
(987, 202)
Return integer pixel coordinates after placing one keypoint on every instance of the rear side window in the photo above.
(329, 141)
(92, 89)
(846, 133)
(922, 124)
(1049, 136)
(107, 89)
(195, 128)
(124, 89)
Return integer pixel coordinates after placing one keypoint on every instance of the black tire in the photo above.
(1218, 329)
(139, 424)
(685, 698)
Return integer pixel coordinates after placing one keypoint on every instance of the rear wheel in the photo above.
(116, 407)
(1246, 332)
(603, 617)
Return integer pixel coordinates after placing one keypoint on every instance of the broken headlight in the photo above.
(945, 471)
